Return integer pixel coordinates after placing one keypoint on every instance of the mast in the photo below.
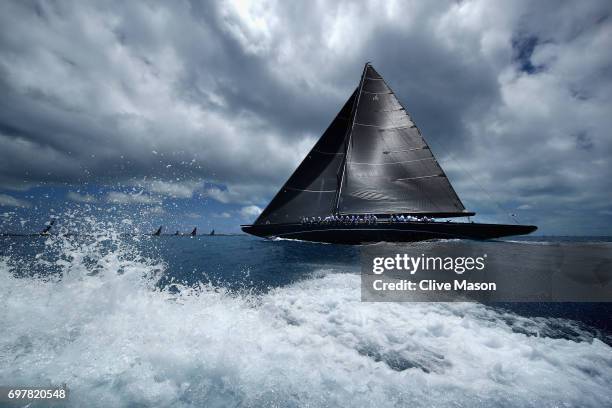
(347, 137)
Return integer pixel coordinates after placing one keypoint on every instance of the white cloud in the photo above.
(125, 198)
(81, 198)
(223, 196)
(10, 201)
(239, 193)
(158, 209)
(250, 212)
(174, 189)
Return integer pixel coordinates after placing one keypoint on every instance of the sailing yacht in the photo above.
(47, 229)
(372, 160)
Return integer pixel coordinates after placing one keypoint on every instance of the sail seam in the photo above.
(398, 162)
(420, 177)
(406, 150)
(395, 128)
(387, 110)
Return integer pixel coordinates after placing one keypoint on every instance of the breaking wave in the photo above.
(102, 324)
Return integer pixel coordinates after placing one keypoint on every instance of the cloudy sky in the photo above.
(195, 113)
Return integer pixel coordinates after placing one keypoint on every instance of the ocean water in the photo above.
(138, 321)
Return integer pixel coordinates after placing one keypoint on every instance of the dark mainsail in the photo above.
(372, 159)
(389, 166)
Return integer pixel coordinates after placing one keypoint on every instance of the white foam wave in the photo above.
(281, 239)
(525, 242)
(116, 340)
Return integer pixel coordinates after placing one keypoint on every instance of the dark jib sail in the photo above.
(312, 188)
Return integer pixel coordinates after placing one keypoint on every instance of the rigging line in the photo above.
(421, 177)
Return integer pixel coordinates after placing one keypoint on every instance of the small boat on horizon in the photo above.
(47, 229)
(372, 162)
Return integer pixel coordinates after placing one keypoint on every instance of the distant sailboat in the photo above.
(372, 160)
(158, 232)
(212, 232)
(194, 232)
(177, 233)
(47, 229)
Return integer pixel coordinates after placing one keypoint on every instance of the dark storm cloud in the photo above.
(516, 95)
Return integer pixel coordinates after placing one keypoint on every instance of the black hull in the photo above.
(387, 232)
